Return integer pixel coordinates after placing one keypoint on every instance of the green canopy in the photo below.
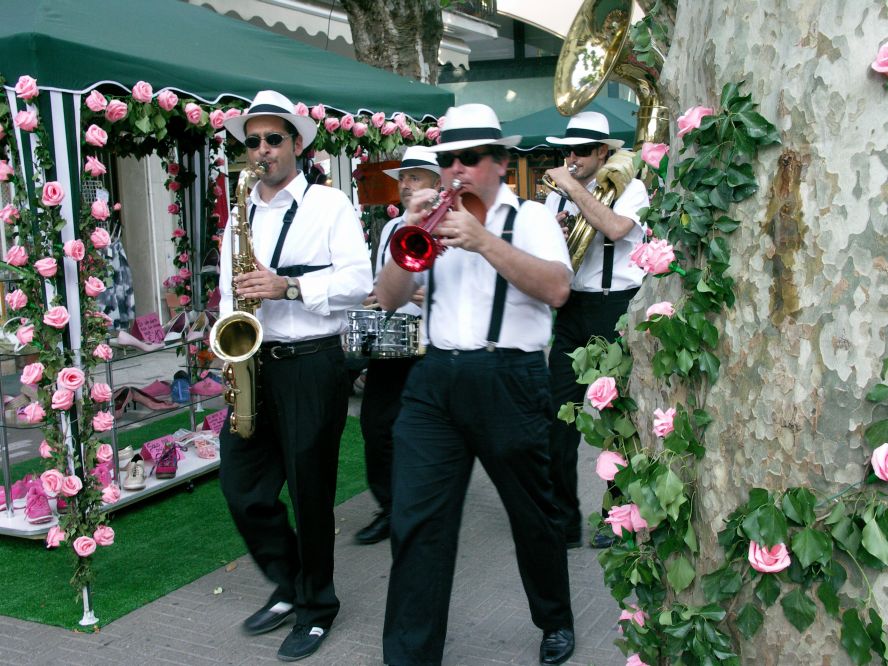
(535, 127)
(73, 45)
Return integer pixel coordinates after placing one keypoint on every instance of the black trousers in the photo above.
(584, 315)
(303, 403)
(380, 405)
(458, 406)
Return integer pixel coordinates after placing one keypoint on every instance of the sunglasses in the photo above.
(468, 158)
(274, 139)
(581, 150)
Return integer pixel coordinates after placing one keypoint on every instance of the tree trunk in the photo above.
(400, 36)
(806, 337)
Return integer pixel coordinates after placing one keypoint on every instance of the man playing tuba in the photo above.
(601, 289)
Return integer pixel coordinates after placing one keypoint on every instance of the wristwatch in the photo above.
(292, 292)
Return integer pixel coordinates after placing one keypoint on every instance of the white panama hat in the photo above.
(415, 157)
(586, 127)
(471, 125)
(271, 103)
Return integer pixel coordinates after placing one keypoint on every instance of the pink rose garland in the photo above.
(690, 119)
(608, 465)
(26, 87)
(104, 535)
(663, 421)
(57, 317)
(55, 536)
(53, 194)
(143, 92)
(96, 102)
(768, 560)
(879, 460)
(602, 392)
(167, 100)
(625, 517)
(84, 546)
(880, 64)
(5, 171)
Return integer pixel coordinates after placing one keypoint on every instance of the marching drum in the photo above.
(376, 334)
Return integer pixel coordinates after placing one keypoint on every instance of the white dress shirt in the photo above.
(324, 231)
(384, 255)
(465, 281)
(625, 276)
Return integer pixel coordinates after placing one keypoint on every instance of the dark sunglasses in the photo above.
(274, 139)
(468, 158)
(581, 150)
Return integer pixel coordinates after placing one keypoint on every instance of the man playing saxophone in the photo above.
(601, 289)
(311, 267)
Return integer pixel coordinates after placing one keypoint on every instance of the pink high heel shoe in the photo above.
(125, 339)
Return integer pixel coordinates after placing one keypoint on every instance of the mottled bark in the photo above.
(807, 334)
(400, 36)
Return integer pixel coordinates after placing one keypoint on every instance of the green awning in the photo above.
(535, 127)
(73, 45)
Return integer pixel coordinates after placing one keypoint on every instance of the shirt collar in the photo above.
(295, 189)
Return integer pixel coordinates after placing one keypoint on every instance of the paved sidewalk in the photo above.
(489, 619)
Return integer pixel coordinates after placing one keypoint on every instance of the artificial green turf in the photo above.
(161, 544)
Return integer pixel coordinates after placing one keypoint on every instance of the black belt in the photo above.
(601, 296)
(279, 350)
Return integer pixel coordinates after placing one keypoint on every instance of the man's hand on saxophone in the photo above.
(262, 283)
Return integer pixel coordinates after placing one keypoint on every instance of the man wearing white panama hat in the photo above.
(600, 292)
(312, 266)
(481, 391)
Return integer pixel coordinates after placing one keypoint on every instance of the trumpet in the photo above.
(580, 232)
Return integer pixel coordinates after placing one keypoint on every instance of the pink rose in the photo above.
(300, 109)
(96, 101)
(100, 210)
(44, 450)
(388, 129)
(103, 421)
(9, 214)
(193, 113)
(768, 560)
(53, 194)
(406, 132)
(96, 136)
(663, 421)
(392, 211)
(174, 186)
(5, 171)
(625, 517)
(662, 308)
(606, 465)
(441, 122)
(653, 153)
(57, 317)
(103, 352)
(234, 113)
(602, 392)
(100, 238)
(75, 249)
(26, 87)
(433, 134)
(184, 273)
(104, 535)
(32, 373)
(173, 209)
(94, 167)
(16, 299)
(52, 480)
(100, 392)
(47, 267)
(55, 536)
(183, 257)
(880, 64)
(93, 286)
(318, 112)
(84, 546)
(167, 100)
(359, 129)
(143, 92)
(16, 255)
(25, 333)
(217, 117)
(110, 494)
(104, 452)
(633, 614)
(635, 660)
(331, 124)
(691, 118)
(880, 462)
(116, 110)
(70, 378)
(400, 120)
(347, 122)
(378, 119)
(184, 299)
(25, 120)
(659, 256)
(71, 485)
(217, 191)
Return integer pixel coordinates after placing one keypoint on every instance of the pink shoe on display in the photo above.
(19, 491)
(2, 499)
(207, 387)
(125, 339)
(37, 509)
(157, 389)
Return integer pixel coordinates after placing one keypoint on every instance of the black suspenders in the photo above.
(607, 262)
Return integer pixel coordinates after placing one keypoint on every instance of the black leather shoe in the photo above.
(265, 619)
(302, 642)
(601, 540)
(557, 646)
(376, 531)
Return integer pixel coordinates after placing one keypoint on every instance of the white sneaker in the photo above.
(135, 474)
(124, 456)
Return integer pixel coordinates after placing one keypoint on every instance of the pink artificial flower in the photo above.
(388, 129)
(433, 134)
(103, 352)
(100, 238)
(659, 255)
(392, 211)
(96, 102)
(347, 122)
(300, 109)
(441, 122)
(103, 421)
(71, 485)
(217, 117)
(663, 421)
(768, 560)
(184, 299)
(5, 171)
(173, 209)
(359, 129)
(635, 660)
(143, 92)
(55, 536)
(664, 308)
(44, 450)
(70, 378)
(364, 157)
(32, 373)
(625, 517)
(25, 334)
(879, 460)
(84, 546)
(17, 299)
(406, 132)
(193, 113)
(47, 267)
(100, 210)
(400, 120)
(26, 87)
(33, 413)
(653, 153)
(116, 110)
(104, 452)
(53, 194)
(331, 124)
(62, 400)
(602, 392)
(110, 494)
(93, 286)
(100, 392)
(104, 535)
(691, 118)
(174, 186)
(96, 136)
(57, 317)
(880, 64)
(184, 273)
(16, 255)
(94, 167)
(75, 249)
(183, 257)
(606, 466)
(9, 214)
(633, 614)
(378, 119)
(52, 480)
(25, 120)
(178, 232)
(167, 100)
(234, 113)
(318, 112)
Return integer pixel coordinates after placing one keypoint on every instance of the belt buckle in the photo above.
(273, 352)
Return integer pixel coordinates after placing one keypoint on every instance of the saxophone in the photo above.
(235, 338)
